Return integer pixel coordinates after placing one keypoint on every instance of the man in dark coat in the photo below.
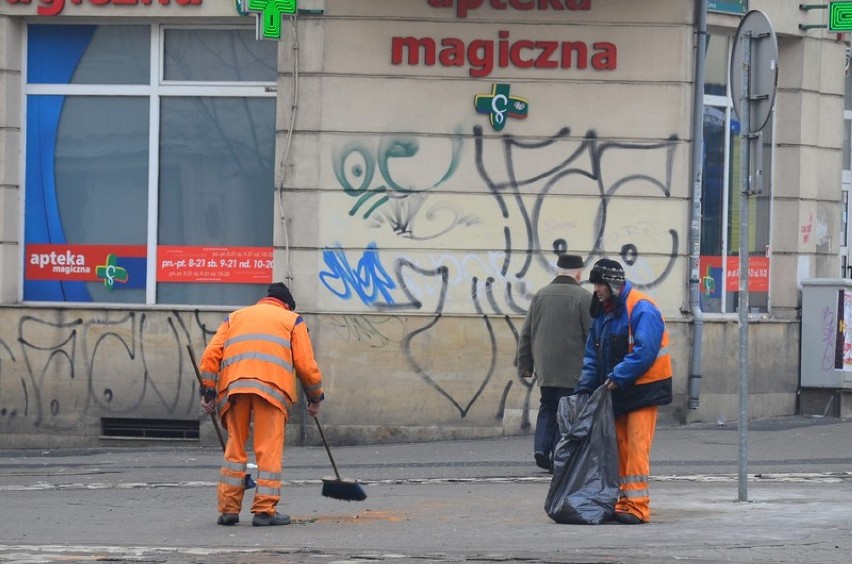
(551, 346)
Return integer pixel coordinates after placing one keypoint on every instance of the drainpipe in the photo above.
(694, 387)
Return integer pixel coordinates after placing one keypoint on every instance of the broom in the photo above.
(337, 488)
(248, 482)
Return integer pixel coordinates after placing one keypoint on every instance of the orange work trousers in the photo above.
(634, 432)
(269, 425)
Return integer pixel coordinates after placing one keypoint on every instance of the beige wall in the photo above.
(601, 159)
(809, 136)
(641, 112)
(415, 306)
(61, 370)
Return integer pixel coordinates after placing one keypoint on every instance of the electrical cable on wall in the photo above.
(284, 159)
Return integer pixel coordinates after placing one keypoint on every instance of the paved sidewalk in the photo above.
(453, 501)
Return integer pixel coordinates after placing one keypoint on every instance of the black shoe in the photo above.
(266, 520)
(627, 518)
(542, 461)
(228, 519)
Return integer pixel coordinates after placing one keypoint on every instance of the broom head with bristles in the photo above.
(347, 490)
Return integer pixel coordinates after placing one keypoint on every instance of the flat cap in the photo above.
(569, 261)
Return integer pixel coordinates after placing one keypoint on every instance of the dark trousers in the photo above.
(546, 426)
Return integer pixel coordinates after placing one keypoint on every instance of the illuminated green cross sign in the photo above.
(840, 16)
(500, 106)
(268, 13)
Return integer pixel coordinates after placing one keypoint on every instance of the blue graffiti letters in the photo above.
(369, 279)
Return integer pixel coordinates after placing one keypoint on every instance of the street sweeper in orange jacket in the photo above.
(249, 371)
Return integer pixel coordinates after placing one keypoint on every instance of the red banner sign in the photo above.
(711, 270)
(232, 265)
(75, 262)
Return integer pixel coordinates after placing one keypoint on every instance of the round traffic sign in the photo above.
(762, 83)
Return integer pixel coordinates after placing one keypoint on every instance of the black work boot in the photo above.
(228, 519)
(626, 518)
(266, 520)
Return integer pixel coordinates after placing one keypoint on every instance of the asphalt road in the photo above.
(455, 501)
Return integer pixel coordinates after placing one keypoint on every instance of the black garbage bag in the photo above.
(584, 487)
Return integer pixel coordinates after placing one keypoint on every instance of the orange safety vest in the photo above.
(261, 349)
(662, 367)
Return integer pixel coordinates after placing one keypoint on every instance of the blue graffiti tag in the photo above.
(369, 279)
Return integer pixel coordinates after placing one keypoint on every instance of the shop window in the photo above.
(199, 55)
(211, 183)
(148, 183)
(88, 54)
(721, 198)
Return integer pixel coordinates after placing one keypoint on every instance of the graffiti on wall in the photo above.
(498, 240)
(393, 198)
(53, 374)
(570, 172)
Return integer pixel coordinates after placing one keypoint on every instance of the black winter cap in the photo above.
(280, 291)
(610, 272)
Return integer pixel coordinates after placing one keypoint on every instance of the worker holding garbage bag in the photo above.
(627, 352)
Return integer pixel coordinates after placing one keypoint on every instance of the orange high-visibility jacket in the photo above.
(661, 369)
(261, 349)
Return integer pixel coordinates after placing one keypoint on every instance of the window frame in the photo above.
(156, 89)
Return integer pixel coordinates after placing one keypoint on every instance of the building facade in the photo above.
(412, 169)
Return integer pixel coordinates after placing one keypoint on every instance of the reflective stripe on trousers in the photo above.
(269, 424)
(635, 434)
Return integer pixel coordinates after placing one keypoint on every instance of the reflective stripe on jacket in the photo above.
(261, 349)
(630, 346)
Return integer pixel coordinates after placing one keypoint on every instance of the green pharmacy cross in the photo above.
(499, 105)
(840, 16)
(269, 14)
(111, 272)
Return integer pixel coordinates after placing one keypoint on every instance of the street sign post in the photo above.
(753, 79)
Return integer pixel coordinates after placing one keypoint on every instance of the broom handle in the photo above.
(328, 450)
(201, 384)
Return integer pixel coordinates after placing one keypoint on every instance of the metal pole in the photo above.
(745, 167)
(695, 373)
